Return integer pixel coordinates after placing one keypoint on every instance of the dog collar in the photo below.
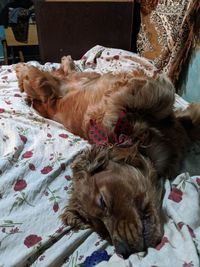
(120, 136)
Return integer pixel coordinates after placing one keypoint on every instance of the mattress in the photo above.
(35, 184)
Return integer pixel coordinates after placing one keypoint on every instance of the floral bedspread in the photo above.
(35, 181)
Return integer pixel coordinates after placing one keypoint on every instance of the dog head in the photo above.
(118, 193)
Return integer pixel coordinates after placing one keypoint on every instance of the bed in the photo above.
(35, 184)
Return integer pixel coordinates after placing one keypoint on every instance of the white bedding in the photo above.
(35, 179)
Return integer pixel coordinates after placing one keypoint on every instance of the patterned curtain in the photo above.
(167, 32)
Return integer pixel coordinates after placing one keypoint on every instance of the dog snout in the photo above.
(123, 249)
(152, 234)
(126, 247)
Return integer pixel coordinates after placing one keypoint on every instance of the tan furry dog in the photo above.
(117, 189)
(74, 98)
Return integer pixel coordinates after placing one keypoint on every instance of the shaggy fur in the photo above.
(74, 98)
(116, 190)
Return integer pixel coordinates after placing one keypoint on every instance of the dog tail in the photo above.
(154, 97)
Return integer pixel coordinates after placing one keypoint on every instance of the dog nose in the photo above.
(151, 237)
(123, 249)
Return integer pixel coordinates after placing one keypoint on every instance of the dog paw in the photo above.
(67, 64)
(28, 101)
(21, 71)
(72, 219)
(66, 58)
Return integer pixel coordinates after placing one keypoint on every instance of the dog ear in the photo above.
(128, 155)
(90, 161)
(133, 157)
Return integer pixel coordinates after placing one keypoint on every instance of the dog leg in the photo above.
(37, 84)
(42, 89)
(72, 218)
(21, 71)
(67, 64)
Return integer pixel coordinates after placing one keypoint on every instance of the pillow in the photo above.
(167, 32)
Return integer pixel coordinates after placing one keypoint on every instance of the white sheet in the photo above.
(35, 180)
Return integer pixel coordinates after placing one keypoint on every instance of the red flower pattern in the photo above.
(81, 257)
(41, 258)
(116, 57)
(46, 169)
(17, 95)
(63, 135)
(31, 166)
(176, 195)
(14, 230)
(55, 207)
(198, 181)
(20, 185)
(191, 231)
(68, 177)
(189, 264)
(23, 138)
(63, 167)
(27, 154)
(162, 243)
(32, 240)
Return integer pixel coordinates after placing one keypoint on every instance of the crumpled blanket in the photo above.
(35, 182)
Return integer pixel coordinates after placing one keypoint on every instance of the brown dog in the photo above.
(74, 98)
(116, 190)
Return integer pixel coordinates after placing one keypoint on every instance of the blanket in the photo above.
(35, 184)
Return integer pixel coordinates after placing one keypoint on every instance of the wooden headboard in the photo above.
(73, 27)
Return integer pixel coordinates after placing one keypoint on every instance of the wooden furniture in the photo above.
(73, 27)
(10, 42)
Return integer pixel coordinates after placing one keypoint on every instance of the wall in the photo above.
(190, 82)
(191, 88)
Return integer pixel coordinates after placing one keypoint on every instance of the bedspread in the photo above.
(35, 183)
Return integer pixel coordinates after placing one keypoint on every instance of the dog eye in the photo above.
(102, 202)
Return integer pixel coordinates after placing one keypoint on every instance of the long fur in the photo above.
(117, 191)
